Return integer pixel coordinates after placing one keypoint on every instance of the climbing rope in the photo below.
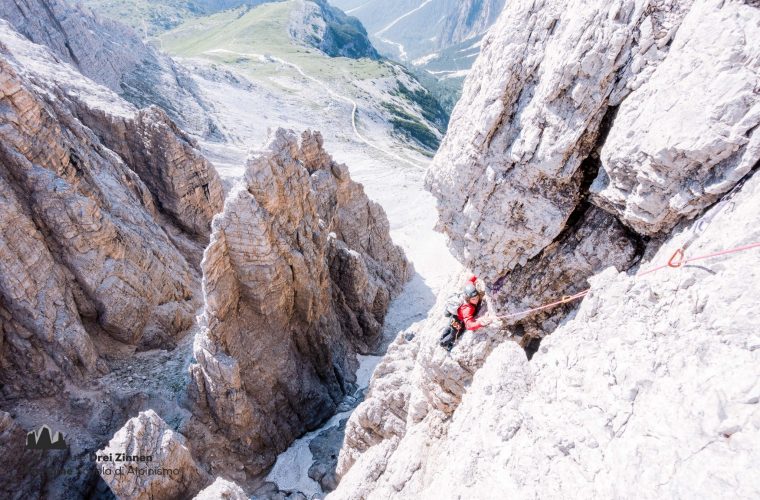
(677, 260)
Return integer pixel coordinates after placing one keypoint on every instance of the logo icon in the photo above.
(44, 439)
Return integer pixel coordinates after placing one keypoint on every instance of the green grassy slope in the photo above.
(262, 30)
(249, 39)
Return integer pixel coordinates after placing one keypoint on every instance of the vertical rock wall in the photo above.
(297, 278)
(508, 175)
(104, 214)
(90, 246)
(588, 135)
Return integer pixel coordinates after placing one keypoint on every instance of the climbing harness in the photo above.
(677, 260)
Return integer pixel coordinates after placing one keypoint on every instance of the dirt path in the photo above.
(332, 93)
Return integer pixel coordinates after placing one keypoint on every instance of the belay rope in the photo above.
(676, 261)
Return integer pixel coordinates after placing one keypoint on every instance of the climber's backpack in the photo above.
(451, 309)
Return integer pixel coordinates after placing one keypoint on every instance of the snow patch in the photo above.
(426, 59)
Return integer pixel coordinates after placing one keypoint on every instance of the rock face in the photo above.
(89, 240)
(472, 18)
(221, 489)
(530, 115)
(113, 55)
(159, 465)
(582, 148)
(297, 278)
(167, 160)
(586, 247)
(664, 172)
(98, 254)
(317, 23)
(568, 127)
(652, 383)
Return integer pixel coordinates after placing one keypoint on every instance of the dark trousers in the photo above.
(450, 335)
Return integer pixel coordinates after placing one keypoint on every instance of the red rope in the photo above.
(677, 260)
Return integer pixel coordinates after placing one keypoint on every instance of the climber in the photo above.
(463, 315)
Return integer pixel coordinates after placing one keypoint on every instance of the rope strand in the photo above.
(672, 263)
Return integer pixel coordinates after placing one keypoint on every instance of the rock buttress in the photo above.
(297, 279)
(95, 260)
(508, 174)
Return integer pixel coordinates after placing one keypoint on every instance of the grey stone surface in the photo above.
(325, 448)
(113, 55)
(297, 279)
(147, 436)
(647, 387)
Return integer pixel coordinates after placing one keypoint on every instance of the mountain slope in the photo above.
(438, 40)
(153, 17)
(411, 29)
(113, 55)
(331, 31)
(595, 179)
(106, 211)
(257, 45)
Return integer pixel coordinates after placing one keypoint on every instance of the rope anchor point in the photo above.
(678, 259)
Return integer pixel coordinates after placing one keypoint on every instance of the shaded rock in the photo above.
(319, 24)
(596, 241)
(297, 278)
(270, 491)
(87, 248)
(325, 448)
(167, 160)
(98, 254)
(530, 113)
(656, 171)
(221, 489)
(164, 468)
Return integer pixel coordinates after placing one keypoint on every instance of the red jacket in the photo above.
(466, 313)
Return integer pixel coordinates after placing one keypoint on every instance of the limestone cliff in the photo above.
(90, 242)
(470, 19)
(319, 24)
(113, 55)
(570, 119)
(649, 390)
(296, 280)
(592, 141)
(100, 244)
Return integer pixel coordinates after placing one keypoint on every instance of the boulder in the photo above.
(146, 459)
(221, 489)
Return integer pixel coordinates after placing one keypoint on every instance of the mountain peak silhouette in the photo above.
(43, 440)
